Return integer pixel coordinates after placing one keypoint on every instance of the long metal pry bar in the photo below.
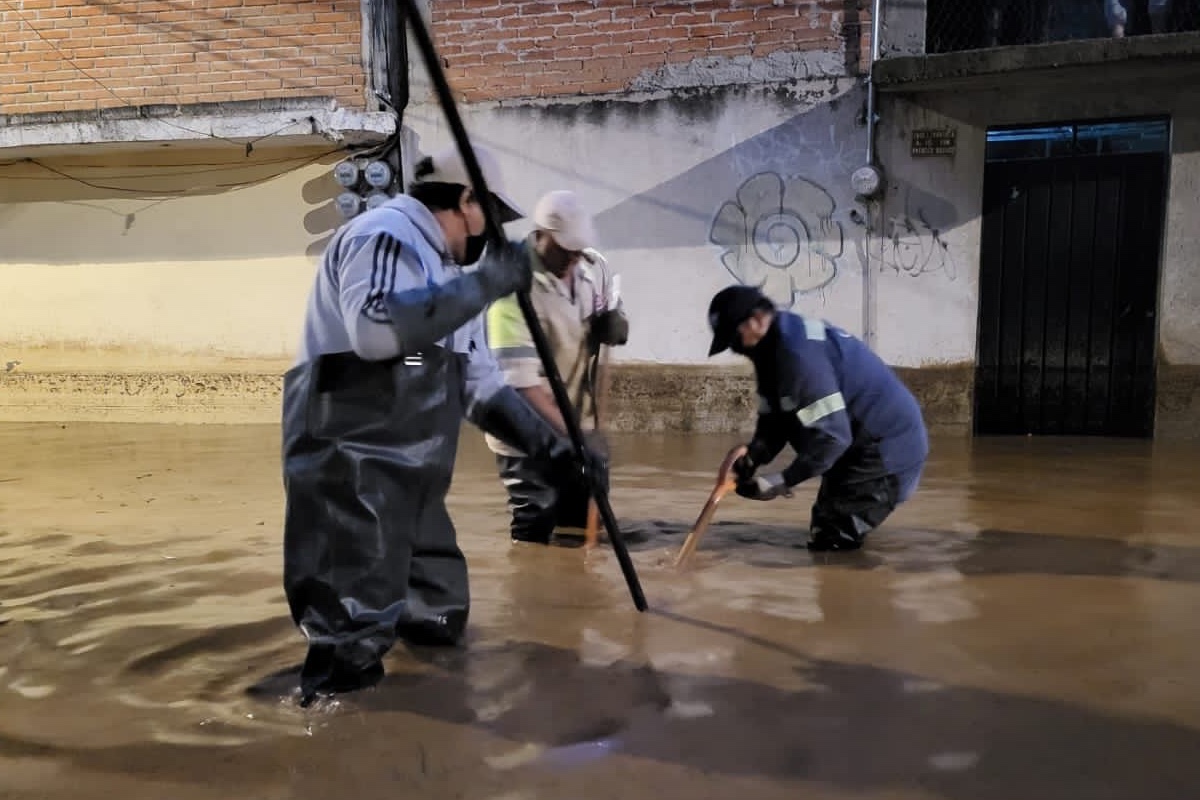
(495, 234)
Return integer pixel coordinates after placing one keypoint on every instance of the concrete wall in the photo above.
(903, 28)
(683, 126)
(725, 162)
(715, 145)
(714, 166)
(174, 284)
(172, 262)
(213, 283)
(941, 198)
(693, 193)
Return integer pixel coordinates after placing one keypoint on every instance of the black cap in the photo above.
(729, 308)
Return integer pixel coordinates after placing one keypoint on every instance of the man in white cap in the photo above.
(573, 295)
(393, 356)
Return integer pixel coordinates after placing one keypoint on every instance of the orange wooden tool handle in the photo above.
(725, 483)
(592, 532)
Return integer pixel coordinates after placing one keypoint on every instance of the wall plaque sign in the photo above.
(934, 141)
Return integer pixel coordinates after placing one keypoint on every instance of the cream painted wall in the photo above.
(656, 172)
(957, 183)
(925, 252)
(97, 278)
(157, 307)
(118, 277)
(1179, 293)
(224, 273)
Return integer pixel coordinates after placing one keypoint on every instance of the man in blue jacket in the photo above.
(843, 411)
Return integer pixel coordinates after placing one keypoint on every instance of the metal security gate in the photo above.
(1071, 239)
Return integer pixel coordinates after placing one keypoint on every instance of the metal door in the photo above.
(1068, 294)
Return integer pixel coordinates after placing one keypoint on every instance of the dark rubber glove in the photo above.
(764, 487)
(595, 467)
(610, 327)
(597, 442)
(512, 420)
(743, 468)
(506, 269)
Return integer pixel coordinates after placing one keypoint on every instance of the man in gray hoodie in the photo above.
(393, 357)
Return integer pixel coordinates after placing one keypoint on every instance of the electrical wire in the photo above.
(208, 166)
(181, 192)
(165, 169)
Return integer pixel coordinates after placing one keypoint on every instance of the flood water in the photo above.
(1027, 627)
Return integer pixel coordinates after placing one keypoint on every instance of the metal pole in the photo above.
(495, 234)
(873, 206)
(876, 25)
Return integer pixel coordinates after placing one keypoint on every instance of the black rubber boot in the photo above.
(855, 497)
(531, 500)
(370, 551)
(822, 540)
(538, 502)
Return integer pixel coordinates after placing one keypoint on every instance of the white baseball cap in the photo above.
(449, 167)
(561, 215)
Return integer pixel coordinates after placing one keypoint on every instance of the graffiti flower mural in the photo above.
(779, 235)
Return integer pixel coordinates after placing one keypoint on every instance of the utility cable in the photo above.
(181, 192)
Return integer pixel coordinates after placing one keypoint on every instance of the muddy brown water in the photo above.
(1027, 627)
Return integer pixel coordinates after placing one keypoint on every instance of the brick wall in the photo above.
(176, 51)
(498, 49)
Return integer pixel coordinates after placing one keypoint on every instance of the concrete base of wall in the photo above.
(721, 400)
(1177, 415)
(645, 398)
(140, 397)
